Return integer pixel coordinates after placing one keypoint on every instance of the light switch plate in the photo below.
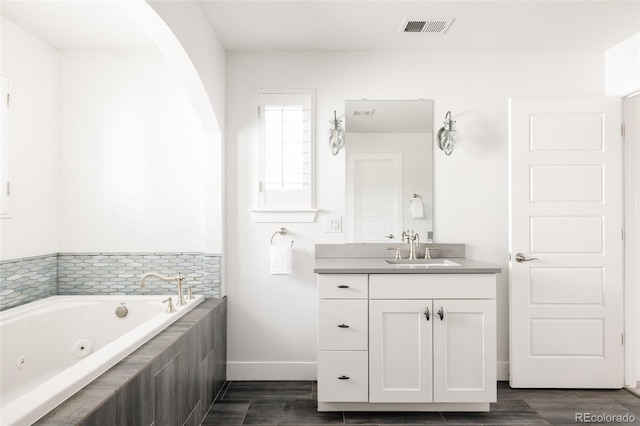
(333, 224)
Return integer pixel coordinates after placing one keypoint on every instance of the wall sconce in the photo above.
(336, 135)
(448, 135)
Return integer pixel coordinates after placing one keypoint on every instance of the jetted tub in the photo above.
(51, 348)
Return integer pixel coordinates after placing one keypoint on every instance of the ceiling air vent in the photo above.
(438, 26)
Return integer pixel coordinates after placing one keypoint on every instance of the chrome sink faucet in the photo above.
(178, 278)
(413, 240)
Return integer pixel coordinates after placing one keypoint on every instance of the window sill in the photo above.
(278, 216)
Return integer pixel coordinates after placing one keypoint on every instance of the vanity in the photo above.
(405, 335)
(400, 334)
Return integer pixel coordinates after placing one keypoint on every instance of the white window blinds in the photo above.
(284, 148)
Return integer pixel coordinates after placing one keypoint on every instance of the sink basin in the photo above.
(423, 262)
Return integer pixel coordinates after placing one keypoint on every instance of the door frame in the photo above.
(631, 150)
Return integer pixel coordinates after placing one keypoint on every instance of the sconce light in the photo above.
(448, 135)
(336, 135)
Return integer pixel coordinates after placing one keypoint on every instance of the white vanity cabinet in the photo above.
(431, 342)
(418, 359)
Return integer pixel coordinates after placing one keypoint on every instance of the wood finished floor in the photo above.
(294, 403)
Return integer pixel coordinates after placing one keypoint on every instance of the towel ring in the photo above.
(417, 196)
(281, 231)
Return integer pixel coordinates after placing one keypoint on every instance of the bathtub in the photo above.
(51, 348)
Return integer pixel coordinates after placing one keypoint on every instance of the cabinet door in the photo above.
(400, 351)
(464, 351)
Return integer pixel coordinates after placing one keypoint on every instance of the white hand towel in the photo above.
(416, 209)
(280, 260)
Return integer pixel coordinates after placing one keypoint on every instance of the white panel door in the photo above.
(400, 351)
(566, 281)
(464, 351)
(374, 186)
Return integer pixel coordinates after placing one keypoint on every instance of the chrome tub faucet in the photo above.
(178, 278)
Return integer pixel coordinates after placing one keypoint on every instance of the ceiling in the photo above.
(346, 24)
(78, 24)
(374, 25)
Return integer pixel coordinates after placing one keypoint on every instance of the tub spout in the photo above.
(178, 278)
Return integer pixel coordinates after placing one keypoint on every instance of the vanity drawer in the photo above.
(343, 325)
(343, 376)
(343, 286)
(432, 286)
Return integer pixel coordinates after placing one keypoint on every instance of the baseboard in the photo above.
(302, 370)
(271, 371)
(502, 370)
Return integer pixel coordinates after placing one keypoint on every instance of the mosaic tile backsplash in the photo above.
(28, 279)
(33, 278)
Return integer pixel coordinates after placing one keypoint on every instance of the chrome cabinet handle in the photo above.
(441, 313)
(343, 378)
(389, 236)
(343, 326)
(522, 258)
(426, 314)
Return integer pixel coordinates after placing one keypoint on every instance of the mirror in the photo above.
(389, 156)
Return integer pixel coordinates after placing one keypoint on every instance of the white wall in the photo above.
(32, 68)
(631, 107)
(207, 58)
(131, 155)
(189, 24)
(272, 319)
(622, 67)
(622, 78)
(108, 153)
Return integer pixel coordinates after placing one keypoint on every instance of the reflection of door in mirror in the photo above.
(389, 158)
(375, 180)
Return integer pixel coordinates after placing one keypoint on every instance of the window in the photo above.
(4, 149)
(284, 148)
